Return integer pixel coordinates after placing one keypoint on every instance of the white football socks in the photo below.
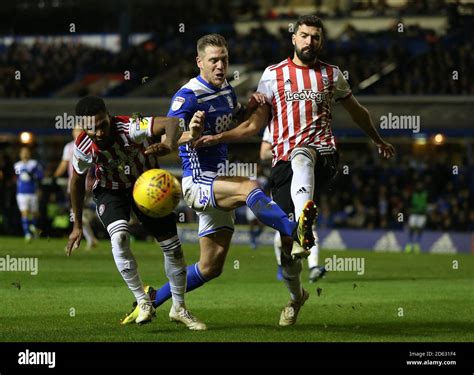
(313, 259)
(291, 270)
(302, 190)
(277, 247)
(175, 268)
(302, 183)
(124, 259)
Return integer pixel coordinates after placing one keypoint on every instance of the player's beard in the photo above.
(308, 56)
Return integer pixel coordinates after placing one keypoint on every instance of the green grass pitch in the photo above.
(82, 298)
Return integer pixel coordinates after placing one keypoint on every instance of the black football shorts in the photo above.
(113, 205)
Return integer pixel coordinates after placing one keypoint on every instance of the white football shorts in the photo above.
(198, 194)
(417, 221)
(27, 202)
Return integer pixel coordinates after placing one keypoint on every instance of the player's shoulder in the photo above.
(270, 72)
(120, 120)
(194, 88)
(29, 165)
(83, 143)
(186, 96)
(121, 123)
(274, 67)
(326, 65)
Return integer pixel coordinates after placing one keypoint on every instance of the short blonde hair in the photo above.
(214, 40)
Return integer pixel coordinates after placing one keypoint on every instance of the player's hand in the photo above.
(74, 240)
(196, 125)
(386, 149)
(257, 99)
(206, 141)
(158, 149)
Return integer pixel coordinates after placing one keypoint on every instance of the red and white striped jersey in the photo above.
(300, 98)
(119, 165)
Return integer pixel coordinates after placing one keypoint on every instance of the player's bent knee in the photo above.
(212, 266)
(211, 271)
(303, 157)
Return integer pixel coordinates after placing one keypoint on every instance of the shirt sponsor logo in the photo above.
(318, 97)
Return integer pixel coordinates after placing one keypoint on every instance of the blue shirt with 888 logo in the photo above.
(220, 104)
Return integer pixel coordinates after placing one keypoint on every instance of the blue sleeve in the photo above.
(183, 105)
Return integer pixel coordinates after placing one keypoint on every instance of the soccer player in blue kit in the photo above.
(212, 99)
(29, 173)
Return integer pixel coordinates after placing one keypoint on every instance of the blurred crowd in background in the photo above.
(422, 57)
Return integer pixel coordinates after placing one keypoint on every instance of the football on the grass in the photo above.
(157, 192)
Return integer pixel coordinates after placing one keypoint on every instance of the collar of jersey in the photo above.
(290, 61)
(208, 85)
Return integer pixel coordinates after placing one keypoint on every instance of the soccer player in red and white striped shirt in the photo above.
(299, 92)
(119, 148)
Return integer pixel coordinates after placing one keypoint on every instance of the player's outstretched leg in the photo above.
(270, 214)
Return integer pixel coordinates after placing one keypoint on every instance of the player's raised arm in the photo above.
(246, 129)
(244, 111)
(361, 116)
(77, 201)
(196, 125)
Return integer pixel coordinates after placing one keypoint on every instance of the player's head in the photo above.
(212, 58)
(95, 119)
(25, 153)
(308, 38)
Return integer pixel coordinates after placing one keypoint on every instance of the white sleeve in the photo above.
(341, 88)
(81, 162)
(140, 128)
(267, 136)
(265, 85)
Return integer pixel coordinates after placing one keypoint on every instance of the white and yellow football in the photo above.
(157, 192)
